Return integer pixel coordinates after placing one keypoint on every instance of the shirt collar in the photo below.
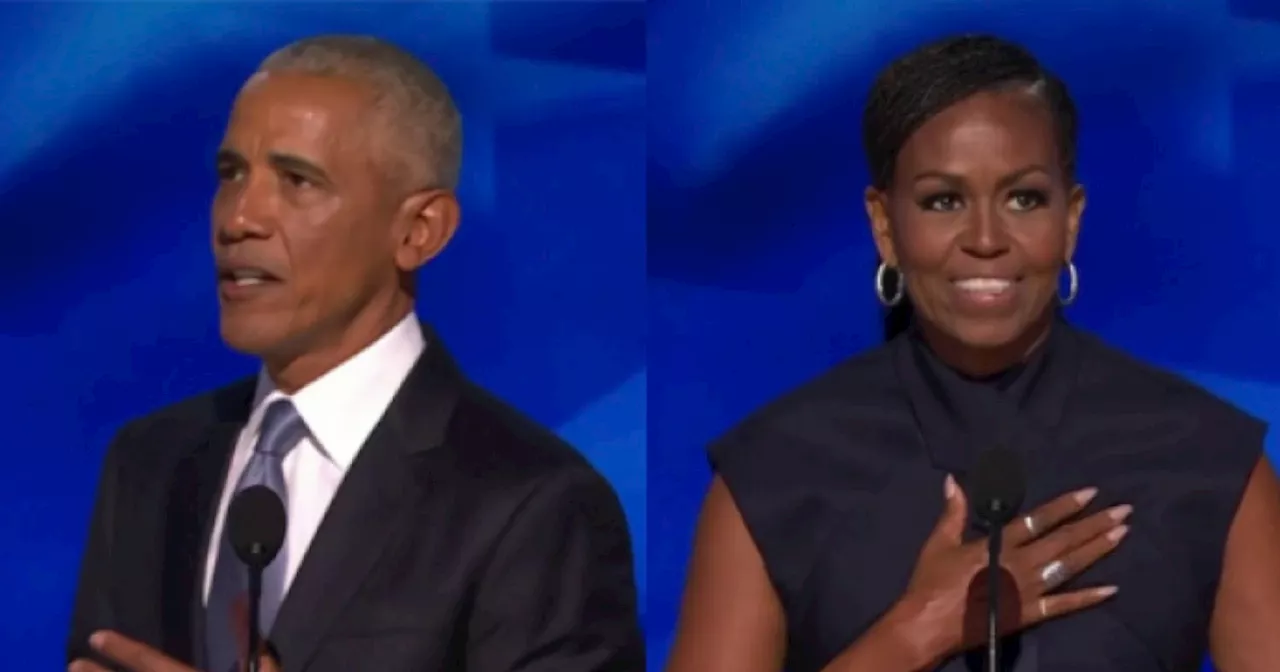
(342, 407)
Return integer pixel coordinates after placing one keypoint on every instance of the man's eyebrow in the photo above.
(281, 161)
(297, 164)
(228, 155)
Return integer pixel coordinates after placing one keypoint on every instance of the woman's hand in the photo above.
(1040, 552)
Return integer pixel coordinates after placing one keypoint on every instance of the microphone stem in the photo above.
(254, 638)
(994, 544)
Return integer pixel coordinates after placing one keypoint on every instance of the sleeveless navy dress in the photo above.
(840, 482)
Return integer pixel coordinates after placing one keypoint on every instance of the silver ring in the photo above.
(1053, 575)
(1030, 524)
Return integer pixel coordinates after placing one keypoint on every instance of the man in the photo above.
(430, 527)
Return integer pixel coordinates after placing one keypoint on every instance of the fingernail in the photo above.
(1106, 591)
(1119, 513)
(949, 486)
(1118, 533)
(1085, 496)
(97, 639)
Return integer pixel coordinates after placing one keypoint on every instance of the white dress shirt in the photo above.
(340, 409)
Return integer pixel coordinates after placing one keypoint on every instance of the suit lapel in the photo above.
(213, 460)
(192, 501)
(369, 507)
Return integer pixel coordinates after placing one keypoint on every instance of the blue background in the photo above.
(760, 263)
(112, 115)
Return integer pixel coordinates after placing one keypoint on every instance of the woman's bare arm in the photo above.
(1245, 631)
(731, 619)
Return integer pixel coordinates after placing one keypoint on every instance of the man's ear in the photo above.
(426, 223)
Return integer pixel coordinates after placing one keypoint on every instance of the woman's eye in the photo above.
(941, 202)
(1022, 201)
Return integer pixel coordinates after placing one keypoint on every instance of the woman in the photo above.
(835, 534)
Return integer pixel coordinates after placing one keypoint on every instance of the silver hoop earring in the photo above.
(898, 290)
(1073, 285)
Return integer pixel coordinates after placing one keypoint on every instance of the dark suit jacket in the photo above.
(464, 537)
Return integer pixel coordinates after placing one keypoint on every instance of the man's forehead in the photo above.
(315, 114)
(334, 98)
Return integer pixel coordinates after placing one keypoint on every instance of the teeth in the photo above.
(247, 281)
(984, 285)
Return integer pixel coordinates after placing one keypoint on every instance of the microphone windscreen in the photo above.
(256, 525)
(997, 486)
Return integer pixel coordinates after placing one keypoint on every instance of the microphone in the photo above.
(255, 527)
(998, 486)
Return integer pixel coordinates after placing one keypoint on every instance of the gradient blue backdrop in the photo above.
(760, 264)
(112, 115)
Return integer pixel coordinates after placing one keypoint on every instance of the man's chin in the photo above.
(253, 340)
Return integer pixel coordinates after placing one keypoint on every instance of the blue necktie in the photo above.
(282, 429)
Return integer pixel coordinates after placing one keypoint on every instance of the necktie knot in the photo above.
(281, 429)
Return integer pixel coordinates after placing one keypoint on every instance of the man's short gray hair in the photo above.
(425, 126)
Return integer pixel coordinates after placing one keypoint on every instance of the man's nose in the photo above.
(240, 227)
(250, 213)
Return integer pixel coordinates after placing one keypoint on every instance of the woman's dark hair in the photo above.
(919, 85)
